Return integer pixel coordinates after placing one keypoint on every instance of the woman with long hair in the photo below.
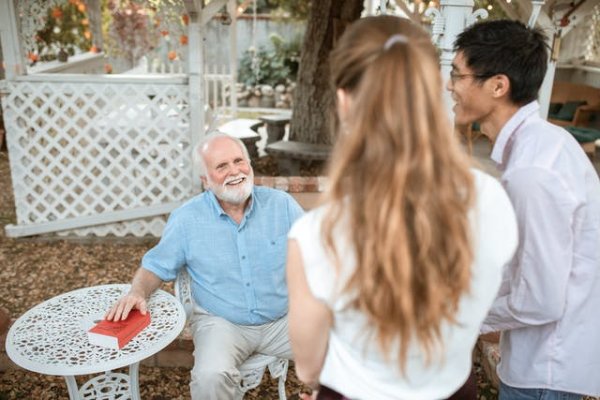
(391, 278)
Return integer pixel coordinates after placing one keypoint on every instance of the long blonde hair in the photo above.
(399, 175)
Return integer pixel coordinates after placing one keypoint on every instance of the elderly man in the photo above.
(232, 239)
(547, 307)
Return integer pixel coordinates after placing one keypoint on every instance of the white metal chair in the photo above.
(253, 368)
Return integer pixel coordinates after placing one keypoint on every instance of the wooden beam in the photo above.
(209, 11)
(543, 20)
(578, 16)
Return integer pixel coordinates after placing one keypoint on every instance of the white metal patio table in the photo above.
(51, 339)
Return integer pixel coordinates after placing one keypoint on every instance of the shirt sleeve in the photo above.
(535, 281)
(165, 259)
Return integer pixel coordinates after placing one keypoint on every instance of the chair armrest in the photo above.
(589, 107)
(560, 122)
(584, 113)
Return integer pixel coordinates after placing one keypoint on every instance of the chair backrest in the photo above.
(183, 290)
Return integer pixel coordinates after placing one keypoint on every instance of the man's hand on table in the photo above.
(120, 310)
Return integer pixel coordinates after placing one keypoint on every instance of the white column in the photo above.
(548, 26)
(369, 7)
(196, 87)
(14, 59)
(546, 89)
(233, 61)
(452, 18)
(95, 16)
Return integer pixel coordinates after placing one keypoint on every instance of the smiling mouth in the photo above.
(236, 182)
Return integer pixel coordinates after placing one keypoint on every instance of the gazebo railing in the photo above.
(97, 154)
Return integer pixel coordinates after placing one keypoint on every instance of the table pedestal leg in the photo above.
(72, 387)
(111, 385)
(134, 383)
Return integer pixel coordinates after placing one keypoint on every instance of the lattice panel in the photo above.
(592, 51)
(82, 149)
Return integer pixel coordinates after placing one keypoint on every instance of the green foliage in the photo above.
(273, 66)
(496, 11)
(295, 9)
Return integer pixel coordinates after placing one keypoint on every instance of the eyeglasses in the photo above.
(454, 77)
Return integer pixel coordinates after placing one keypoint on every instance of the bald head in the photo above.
(207, 143)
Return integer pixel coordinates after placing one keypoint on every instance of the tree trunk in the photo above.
(313, 97)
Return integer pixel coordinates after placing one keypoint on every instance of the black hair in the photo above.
(509, 48)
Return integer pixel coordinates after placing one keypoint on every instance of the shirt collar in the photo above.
(219, 210)
(505, 136)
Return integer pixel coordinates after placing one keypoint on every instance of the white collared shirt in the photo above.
(549, 302)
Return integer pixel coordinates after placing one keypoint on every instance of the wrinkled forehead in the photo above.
(221, 149)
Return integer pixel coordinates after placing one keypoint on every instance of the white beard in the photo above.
(234, 195)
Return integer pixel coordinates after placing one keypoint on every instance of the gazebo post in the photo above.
(14, 59)
(200, 15)
(547, 24)
(95, 16)
(570, 19)
(196, 87)
(233, 61)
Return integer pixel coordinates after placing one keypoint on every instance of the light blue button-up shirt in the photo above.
(238, 271)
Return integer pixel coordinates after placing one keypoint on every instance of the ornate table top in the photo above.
(51, 338)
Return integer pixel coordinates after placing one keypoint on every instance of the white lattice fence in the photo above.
(87, 153)
(582, 43)
(219, 89)
(593, 43)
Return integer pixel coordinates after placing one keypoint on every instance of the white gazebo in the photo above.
(102, 154)
(111, 154)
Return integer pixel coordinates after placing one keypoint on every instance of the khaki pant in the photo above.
(220, 347)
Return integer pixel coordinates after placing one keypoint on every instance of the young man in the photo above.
(548, 306)
(233, 240)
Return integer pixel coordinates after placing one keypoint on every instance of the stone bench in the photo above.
(276, 124)
(290, 153)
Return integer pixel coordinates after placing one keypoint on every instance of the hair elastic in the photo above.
(392, 40)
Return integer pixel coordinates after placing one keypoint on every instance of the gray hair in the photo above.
(198, 158)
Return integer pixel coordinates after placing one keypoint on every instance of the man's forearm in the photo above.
(145, 282)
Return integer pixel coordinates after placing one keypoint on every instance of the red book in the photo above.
(116, 334)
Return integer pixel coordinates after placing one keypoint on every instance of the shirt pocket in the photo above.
(276, 251)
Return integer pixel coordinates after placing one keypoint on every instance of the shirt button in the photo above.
(247, 284)
(243, 257)
(273, 242)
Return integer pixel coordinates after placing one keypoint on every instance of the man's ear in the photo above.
(500, 85)
(204, 180)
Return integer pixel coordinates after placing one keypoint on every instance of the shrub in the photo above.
(270, 66)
